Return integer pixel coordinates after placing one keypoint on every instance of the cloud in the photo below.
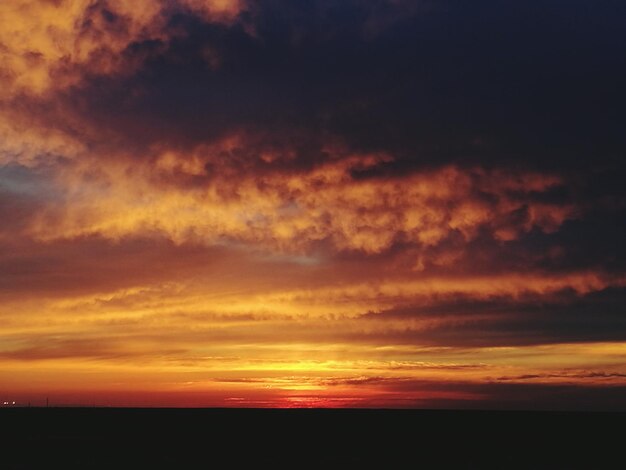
(573, 376)
(197, 198)
(52, 44)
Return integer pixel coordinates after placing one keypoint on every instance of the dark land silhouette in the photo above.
(303, 438)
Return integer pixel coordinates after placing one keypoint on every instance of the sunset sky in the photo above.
(362, 203)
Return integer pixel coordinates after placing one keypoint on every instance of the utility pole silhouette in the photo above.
(47, 402)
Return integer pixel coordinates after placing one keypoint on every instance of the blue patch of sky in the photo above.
(27, 182)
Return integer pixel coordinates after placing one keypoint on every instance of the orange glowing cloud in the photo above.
(52, 43)
(291, 210)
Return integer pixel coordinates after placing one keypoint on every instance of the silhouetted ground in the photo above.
(221, 438)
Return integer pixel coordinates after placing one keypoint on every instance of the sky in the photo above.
(313, 203)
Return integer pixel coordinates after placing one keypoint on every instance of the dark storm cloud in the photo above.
(561, 317)
(530, 83)
(489, 83)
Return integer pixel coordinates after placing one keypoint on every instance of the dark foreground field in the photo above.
(216, 438)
